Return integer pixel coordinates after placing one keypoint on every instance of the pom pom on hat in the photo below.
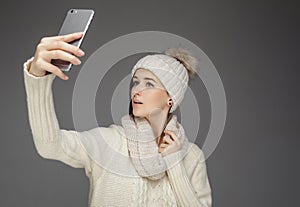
(185, 58)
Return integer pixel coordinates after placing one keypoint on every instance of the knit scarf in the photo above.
(143, 147)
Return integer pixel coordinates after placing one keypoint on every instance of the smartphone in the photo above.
(76, 20)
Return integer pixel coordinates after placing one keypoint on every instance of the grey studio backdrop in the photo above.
(254, 46)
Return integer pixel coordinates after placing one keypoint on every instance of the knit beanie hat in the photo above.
(173, 68)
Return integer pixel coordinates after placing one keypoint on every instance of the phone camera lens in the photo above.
(72, 11)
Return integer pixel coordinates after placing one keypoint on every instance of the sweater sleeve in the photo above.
(50, 141)
(189, 179)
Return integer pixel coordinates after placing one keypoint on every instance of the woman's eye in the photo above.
(150, 84)
(134, 83)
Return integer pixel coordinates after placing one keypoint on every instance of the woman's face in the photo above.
(147, 89)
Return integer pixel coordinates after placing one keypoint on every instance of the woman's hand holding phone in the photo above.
(56, 47)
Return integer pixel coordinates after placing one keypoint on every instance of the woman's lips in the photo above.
(137, 103)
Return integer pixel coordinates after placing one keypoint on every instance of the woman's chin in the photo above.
(138, 114)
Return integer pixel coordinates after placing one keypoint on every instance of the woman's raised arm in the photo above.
(51, 141)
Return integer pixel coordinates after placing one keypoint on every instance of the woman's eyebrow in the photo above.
(146, 78)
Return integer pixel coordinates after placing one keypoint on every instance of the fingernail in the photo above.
(80, 53)
(78, 61)
(66, 77)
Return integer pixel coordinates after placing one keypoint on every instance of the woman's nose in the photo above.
(137, 90)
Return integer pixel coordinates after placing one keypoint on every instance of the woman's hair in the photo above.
(130, 99)
(184, 57)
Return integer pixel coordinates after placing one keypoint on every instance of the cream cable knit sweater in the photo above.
(186, 184)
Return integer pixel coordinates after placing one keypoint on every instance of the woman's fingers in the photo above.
(59, 54)
(170, 143)
(160, 150)
(171, 133)
(163, 145)
(167, 139)
(173, 136)
(53, 69)
(66, 38)
(60, 45)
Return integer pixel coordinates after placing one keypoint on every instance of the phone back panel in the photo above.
(76, 20)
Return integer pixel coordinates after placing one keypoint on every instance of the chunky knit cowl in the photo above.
(143, 147)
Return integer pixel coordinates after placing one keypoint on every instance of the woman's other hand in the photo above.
(56, 47)
(169, 144)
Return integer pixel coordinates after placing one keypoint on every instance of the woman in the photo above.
(160, 166)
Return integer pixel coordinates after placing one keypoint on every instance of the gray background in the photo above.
(255, 48)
